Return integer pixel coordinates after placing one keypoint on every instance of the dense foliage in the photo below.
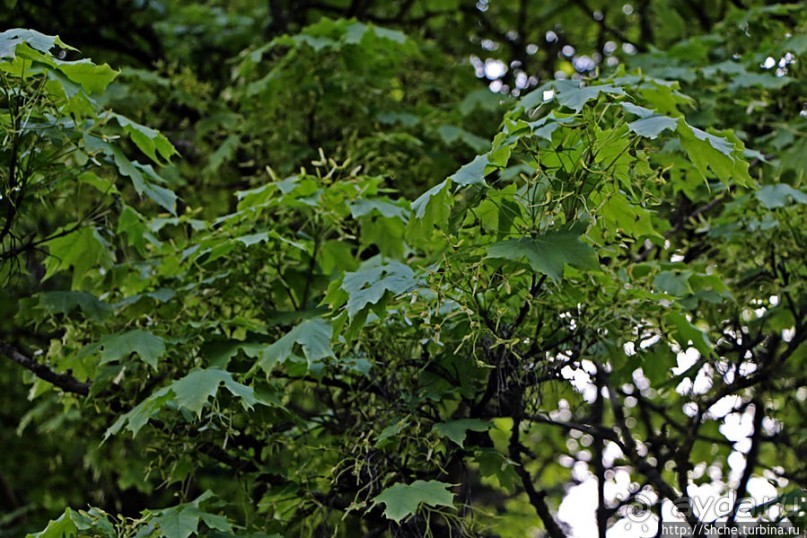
(414, 268)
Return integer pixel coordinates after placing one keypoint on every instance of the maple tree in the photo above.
(333, 285)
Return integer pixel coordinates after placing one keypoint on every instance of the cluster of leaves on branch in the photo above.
(346, 291)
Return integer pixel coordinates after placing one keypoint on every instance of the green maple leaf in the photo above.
(775, 196)
(714, 152)
(572, 94)
(119, 346)
(457, 430)
(64, 302)
(59, 528)
(472, 173)
(548, 253)
(93, 78)
(403, 500)
(177, 523)
(430, 210)
(194, 390)
(370, 285)
(673, 282)
(148, 140)
(650, 124)
(365, 207)
(313, 336)
(653, 126)
(183, 520)
(10, 39)
(82, 250)
(191, 392)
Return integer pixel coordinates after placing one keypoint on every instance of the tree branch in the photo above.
(642, 465)
(65, 382)
(599, 465)
(750, 458)
(537, 497)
